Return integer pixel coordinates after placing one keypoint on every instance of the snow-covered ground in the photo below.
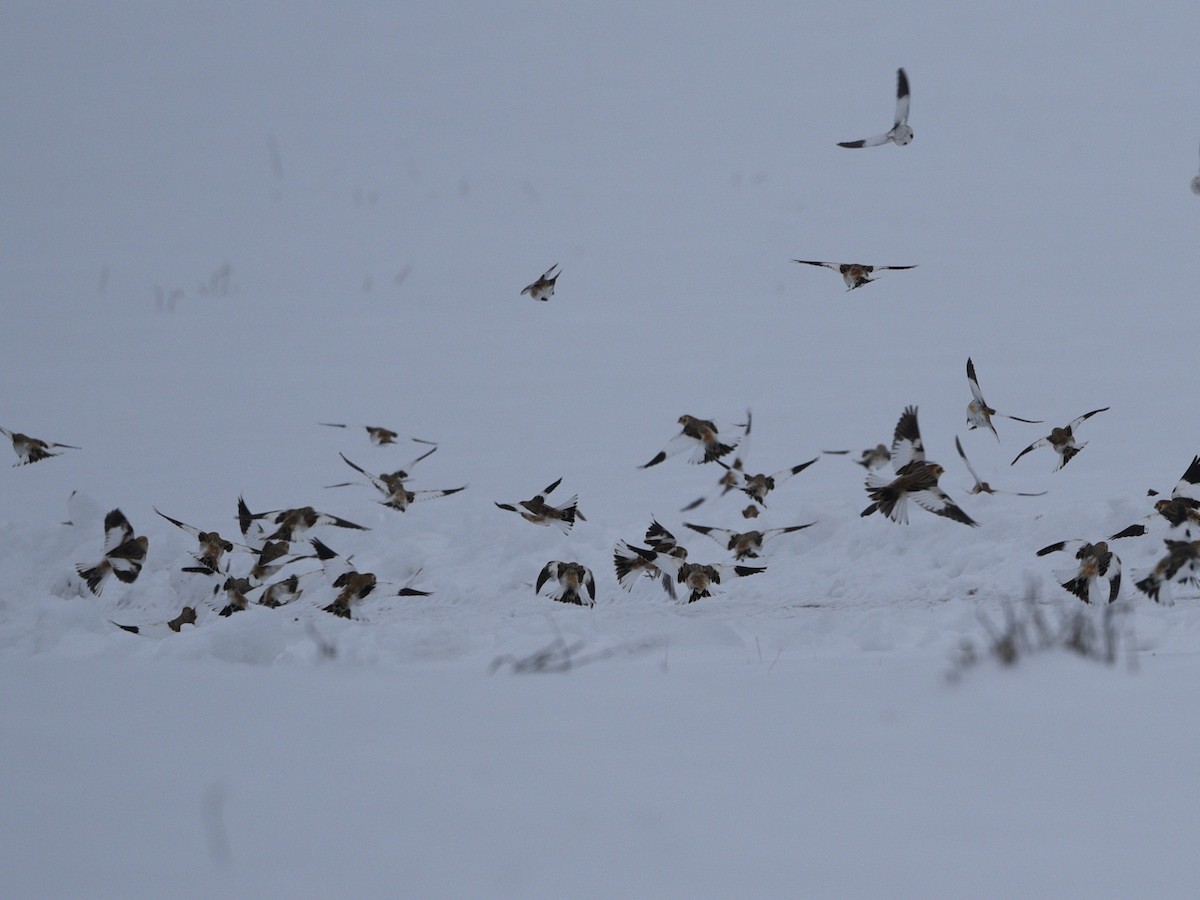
(225, 225)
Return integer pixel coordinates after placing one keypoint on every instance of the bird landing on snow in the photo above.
(899, 134)
(543, 288)
(1096, 578)
(573, 580)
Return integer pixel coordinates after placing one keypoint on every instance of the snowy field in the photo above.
(226, 224)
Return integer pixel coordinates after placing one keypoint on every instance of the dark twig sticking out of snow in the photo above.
(1092, 634)
(559, 656)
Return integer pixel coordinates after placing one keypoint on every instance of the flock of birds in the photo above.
(250, 570)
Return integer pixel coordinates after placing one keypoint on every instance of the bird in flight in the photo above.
(854, 274)
(543, 288)
(31, 449)
(1062, 440)
(915, 477)
(1096, 566)
(979, 414)
(981, 486)
(899, 134)
(573, 579)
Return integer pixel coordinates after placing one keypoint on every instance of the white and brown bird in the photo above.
(758, 486)
(701, 437)
(744, 544)
(733, 471)
(212, 547)
(699, 579)
(631, 562)
(237, 595)
(981, 486)
(915, 478)
(979, 414)
(391, 485)
(1062, 440)
(575, 584)
(31, 449)
(353, 586)
(1181, 565)
(870, 459)
(540, 512)
(1180, 511)
(124, 554)
(900, 133)
(380, 436)
(1095, 577)
(292, 524)
(854, 274)
(543, 288)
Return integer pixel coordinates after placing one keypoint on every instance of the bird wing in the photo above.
(902, 96)
(967, 462)
(1040, 442)
(1087, 415)
(875, 141)
(906, 441)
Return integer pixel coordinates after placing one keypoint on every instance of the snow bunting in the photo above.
(1182, 509)
(630, 562)
(187, 616)
(212, 546)
(124, 554)
(870, 459)
(539, 512)
(1062, 440)
(378, 435)
(572, 578)
(979, 414)
(280, 593)
(31, 449)
(354, 586)
(744, 544)
(899, 134)
(733, 471)
(236, 591)
(392, 485)
(1181, 564)
(875, 457)
(981, 486)
(756, 487)
(701, 436)
(915, 477)
(1097, 576)
(854, 274)
(543, 288)
(294, 523)
(699, 579)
